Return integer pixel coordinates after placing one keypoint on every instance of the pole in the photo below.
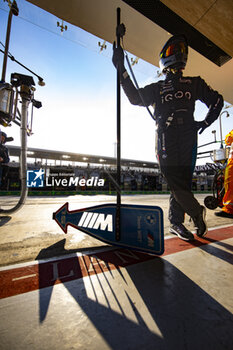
(220, 124)
(6, 46)
(118, 208)
(13, 11)
(25, 95)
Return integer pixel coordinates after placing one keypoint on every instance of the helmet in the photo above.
(174, 54)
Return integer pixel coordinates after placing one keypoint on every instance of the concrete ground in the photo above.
(69, 291)
(25, 233)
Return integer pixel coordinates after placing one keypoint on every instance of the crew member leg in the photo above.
(176, 152)
(184, 200)
(176, 212)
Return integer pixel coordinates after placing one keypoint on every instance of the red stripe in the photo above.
(25, 279)
(175, 244)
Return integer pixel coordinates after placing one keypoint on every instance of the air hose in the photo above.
(136, 83)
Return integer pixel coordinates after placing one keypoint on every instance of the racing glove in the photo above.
(202, 126)
(118, 58)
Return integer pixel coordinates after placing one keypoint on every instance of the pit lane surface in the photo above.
(31, 233)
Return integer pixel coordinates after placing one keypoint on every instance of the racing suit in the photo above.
(228, 177)
(173, 100)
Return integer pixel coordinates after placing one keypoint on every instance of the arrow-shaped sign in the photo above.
(141, 226)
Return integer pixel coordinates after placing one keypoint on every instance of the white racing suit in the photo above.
(173, 100)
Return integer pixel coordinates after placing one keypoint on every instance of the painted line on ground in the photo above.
(18, 280)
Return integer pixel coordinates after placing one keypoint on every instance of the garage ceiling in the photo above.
(149, 23)
(213, 18)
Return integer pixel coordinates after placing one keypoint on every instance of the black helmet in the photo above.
(174, 54)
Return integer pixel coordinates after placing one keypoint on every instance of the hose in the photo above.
(136, 83)
(23, 157)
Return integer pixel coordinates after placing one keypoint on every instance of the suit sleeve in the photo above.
(212, 99)
(142, 96)
(7, 159)
(5, 155)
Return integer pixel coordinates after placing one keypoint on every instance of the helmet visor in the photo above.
(174, 48)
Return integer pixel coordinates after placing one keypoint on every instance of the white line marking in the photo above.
(23, 277)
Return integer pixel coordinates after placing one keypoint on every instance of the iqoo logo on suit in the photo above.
(177, 95)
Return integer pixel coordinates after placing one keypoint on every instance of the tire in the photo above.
(211, 202)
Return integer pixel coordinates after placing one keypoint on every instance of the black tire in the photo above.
(211, 202)
(218, 187)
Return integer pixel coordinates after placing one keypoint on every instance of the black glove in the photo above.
(201, 126)
(118, 58)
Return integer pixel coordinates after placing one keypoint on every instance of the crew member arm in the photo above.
(141, 96)
(4, 155)
(212, 99)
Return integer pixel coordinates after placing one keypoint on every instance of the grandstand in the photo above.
(136, 176)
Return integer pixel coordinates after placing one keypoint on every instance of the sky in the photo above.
(78, 111)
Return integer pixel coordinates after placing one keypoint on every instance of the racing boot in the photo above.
(200, 223)
(181, 231)
(224, 214)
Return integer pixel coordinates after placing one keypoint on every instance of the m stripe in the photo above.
(83, 217)
(93, 219)
(88, 218)
(96, 221)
